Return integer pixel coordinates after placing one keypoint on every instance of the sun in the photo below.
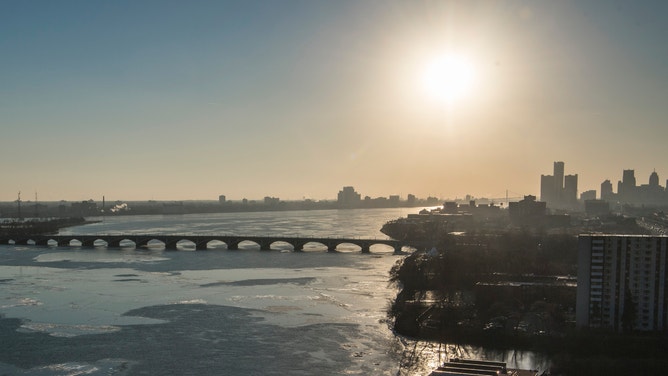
(448, 78)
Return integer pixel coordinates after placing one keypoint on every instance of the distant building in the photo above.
(588, 195)
(271, 200)
(547, 188)
(450, 207)
(622, 282)
(410, 200)
(84, 208)
(559, 191)
(570, 192)
(606, 190)
(649, 195)
(654, 180)
(595, 208)
(527, 211)
(222, 199)
(558, 180)
(348, 198)
(394, 200)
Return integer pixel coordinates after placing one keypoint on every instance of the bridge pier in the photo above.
(202, 246)
(88, 243)
(43, 242)
(170, 246)
(366, 248)
(141, 244)
(233, 246)
(297, 247)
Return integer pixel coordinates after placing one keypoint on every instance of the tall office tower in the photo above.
(606, 190)
(654, 179)
(558, 180)
(622, 282)
(629, 178)
(628, 183)
(570, 195)
(547, 188)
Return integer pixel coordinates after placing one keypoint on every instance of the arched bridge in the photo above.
(201, 242)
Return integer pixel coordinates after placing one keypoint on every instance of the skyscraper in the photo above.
(654, 179)
(558, 180)
(555, 193)
(547, 188)
(627, 186)
(570, 192)
(606, 190)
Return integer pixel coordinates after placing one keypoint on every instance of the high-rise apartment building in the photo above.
(622, 282)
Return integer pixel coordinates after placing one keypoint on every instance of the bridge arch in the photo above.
(283, 245)
(381, 248)
(314, 247)
(100, 243)
(348, 247)
(150, 243)
(215, 244)
(70, 241)
(185, 244)
(122, 243)
(249, 245)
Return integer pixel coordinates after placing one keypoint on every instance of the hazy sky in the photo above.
(171, 100)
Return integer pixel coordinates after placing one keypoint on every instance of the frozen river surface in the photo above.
(98, 311)
(75, 311)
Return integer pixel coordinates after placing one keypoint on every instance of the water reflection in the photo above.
(422, 357)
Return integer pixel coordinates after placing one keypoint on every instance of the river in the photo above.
(77, 311)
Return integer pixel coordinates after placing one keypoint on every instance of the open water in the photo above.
(77, 311)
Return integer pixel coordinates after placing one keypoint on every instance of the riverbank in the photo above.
(39, 226)
(484, 293)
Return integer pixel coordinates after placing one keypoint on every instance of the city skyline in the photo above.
(145, 100)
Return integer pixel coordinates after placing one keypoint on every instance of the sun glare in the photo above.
(448, 78)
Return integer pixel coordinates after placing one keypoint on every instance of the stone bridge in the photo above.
(201, 242)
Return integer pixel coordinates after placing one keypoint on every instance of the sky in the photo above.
(175, 100)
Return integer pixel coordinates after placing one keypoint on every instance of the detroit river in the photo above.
(77, 311)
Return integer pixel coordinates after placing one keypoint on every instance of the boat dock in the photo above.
(473, 367)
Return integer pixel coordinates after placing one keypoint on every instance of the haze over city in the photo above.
(172, 100)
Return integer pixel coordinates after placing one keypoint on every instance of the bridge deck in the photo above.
(201, 241)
